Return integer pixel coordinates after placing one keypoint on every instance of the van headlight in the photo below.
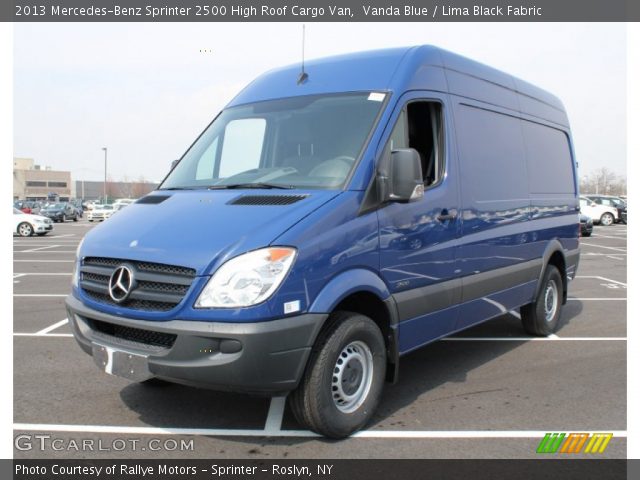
(247, 279)
(75, 278)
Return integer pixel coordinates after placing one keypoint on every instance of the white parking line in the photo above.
(602, 278)
(48, 335)
(51, 328)
(40, 273)
(273, 408)
(36, 249)
(39, 294)
(616, 237)
(40, 261)
(230, 432)
(48, 251)
(598, 299)
(273, 423)
(618, 249)
(550, 338)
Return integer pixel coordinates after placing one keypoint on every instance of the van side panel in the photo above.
(519, 195)
(553, 189)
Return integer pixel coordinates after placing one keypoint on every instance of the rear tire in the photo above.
(541, 317)
(343, 381)
(607, 219)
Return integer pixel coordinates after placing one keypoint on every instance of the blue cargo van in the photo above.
(328, 222)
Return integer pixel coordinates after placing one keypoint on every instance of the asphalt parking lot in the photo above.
(490, 392)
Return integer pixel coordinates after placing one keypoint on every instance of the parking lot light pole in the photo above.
(105, 174)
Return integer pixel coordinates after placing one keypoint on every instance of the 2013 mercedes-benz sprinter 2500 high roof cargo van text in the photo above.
(325, 224)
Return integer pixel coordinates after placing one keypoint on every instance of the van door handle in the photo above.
(445, 215)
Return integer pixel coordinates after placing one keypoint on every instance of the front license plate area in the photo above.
(122, 364)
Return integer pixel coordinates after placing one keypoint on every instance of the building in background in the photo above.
(33, 182)
(92, 190)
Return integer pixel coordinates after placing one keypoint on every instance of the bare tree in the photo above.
(112, 189)
(126, 187)
(141, 187)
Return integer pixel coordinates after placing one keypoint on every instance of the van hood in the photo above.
(200, 229)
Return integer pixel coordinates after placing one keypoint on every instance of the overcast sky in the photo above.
(146, 90)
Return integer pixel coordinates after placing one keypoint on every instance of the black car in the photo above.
(60, 212)
(586, 226)
(614, 202)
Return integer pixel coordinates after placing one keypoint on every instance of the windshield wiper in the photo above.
(233, 186)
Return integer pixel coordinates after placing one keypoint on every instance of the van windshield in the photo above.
(300, 142)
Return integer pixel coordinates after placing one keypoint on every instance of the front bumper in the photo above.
(262, 357)
(42, 227)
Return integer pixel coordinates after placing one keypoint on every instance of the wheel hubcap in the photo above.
(550, 300)
(24, 230)
(352, 377)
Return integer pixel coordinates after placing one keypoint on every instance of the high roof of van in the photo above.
(398, 70)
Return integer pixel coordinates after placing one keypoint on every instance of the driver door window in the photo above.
(419, 126)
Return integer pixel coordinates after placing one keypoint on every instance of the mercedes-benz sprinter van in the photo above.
(328, 222)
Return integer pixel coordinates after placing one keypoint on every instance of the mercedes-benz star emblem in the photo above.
(121, 284)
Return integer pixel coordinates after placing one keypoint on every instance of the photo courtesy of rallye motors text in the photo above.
(356, 211)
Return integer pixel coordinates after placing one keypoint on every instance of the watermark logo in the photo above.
(574, 443)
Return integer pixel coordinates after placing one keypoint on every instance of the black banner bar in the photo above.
(544, 469)
(321, 11)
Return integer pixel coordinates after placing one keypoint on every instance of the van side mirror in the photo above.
(405, 176)
(173, 164)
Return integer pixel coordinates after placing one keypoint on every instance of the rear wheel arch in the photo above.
(553, 255)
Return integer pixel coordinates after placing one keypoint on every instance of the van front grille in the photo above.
(155, 287)
(135, 335)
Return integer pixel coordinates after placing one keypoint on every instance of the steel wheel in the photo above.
(352, 376)
(550, 300)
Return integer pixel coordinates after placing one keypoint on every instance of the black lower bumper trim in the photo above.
(261, 357)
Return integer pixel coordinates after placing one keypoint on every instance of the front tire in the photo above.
(25, 229)
(343, 381)
(541, 317)
(607, 219)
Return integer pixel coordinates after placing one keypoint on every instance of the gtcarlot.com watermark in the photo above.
(46, 443)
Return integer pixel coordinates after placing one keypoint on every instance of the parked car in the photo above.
(232, 275)
(27, 206)
(100, 213)
(60, 212)
(119, 206)
(602, 214)
(610, 201)
(586, 225)
(25, 224)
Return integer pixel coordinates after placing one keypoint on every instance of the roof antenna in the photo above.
(303, 75)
